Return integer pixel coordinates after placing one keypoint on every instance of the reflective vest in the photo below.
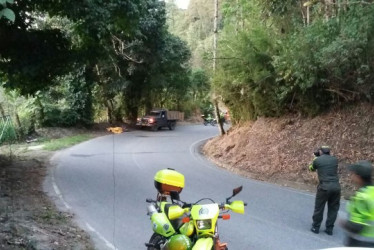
(361, 211)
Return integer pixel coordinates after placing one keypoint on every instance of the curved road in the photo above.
(105, 182)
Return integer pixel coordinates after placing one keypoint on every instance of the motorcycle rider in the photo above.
(328, 190)
(360, 224)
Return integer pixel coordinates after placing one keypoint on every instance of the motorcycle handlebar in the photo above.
(148, 200)
(187, 205)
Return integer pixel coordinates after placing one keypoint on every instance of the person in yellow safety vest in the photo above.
(360, 224)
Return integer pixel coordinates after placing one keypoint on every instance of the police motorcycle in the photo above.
(166, 222)
(182, 226)
(209, 121)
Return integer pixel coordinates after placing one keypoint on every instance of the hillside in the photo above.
(280, 149)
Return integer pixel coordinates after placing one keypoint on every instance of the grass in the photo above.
(66, 142)
(51, 215)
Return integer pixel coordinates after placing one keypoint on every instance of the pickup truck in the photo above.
(159, 118)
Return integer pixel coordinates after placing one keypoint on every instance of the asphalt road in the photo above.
(105, 182)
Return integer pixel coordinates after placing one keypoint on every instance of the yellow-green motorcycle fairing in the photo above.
(236, 206)
(205, 219)
(203, 244)
(187, 228)
(176, 212)
(163, 204)
(161, 225)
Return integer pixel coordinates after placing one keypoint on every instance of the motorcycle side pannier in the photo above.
(168, 180)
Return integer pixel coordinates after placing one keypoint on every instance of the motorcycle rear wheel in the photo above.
(156, 240)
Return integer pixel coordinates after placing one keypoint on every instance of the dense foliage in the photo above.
(76, 61)
(295, 56)
(67, 63)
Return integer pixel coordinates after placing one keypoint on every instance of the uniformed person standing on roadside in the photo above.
(360, 223)
(328, 190)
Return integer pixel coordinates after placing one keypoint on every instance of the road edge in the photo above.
(51, 189)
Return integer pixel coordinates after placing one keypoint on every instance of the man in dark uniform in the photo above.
(328, 190)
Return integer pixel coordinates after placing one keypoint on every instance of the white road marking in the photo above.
(59, 195)
(107, 243)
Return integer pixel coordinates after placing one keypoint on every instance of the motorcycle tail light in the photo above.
(204, 224)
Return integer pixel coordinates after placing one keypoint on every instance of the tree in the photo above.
(294, 56)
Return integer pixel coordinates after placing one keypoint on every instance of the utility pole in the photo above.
(215, 98)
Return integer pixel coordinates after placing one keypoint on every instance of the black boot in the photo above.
(315, 230)
(328, 231)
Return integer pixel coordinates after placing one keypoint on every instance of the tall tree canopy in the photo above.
(115, 54)
(295, 56)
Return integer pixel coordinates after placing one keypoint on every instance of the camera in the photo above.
(317, 153)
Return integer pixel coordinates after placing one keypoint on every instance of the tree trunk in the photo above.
(131, 105)
(330, 9)
(2, 112)
(40, 110)
(133, 114)
(215, 35)
(86, 112)
(307, 15)
(19, 125)
(109, 105)
(303, 14)
(215, 100)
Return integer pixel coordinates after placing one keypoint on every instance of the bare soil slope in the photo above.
(28, 218)
(280, 149)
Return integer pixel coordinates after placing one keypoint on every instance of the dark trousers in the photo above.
(332, 198)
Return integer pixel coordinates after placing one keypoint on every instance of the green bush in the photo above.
(60, 118)
(272, 66)
(7, 132)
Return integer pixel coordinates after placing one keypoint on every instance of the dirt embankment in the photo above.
(28, 218)
(280, 149)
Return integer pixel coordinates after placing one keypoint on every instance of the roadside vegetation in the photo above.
(279, 150)
(99, 63)
(294, 75)
(304, 57)
(28, 217)
(280, 63)
(57, 144)
(277, 57)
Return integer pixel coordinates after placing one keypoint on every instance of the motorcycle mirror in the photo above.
(234, 192)
(237, 190)
(174, 195)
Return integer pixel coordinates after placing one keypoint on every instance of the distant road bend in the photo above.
(105, 182)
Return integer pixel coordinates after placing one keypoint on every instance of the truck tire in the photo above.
(171, 125)
(154, 128)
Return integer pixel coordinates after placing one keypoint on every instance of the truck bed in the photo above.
(175, 115)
